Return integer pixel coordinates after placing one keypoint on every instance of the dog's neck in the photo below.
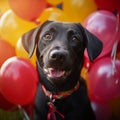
(60, 95)
(67, 85)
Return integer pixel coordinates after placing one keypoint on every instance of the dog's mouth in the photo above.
(56, 73)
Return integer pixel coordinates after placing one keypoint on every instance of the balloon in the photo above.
(87, 63)
(6, 51)
(111, 5)
(3, 6)
(102, 111)
(54, 14)
(18, 81)
(5, 104)
(29, 9)
(84, 73)
(20, 52)
(104, 80)
(0, 15)
(104, 25)
(108, 4)
(12, 27)
(79, 9)
(54, 2)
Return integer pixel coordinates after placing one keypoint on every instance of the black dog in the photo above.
(62, 93)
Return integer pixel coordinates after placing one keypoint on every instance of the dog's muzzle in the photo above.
(56, 65)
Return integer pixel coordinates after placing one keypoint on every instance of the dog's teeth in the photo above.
(58, 74)
(53, 73)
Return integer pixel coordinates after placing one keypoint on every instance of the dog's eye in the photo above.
(75, 39)
(48, 36)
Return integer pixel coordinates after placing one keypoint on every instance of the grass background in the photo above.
(13, 115)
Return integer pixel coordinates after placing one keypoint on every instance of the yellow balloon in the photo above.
(84, 73)
(54, 2)
(53, 14)
(20, 52)
(4, 6)
(12, 27)
(79, 9)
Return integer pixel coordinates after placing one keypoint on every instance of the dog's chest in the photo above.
(60, 107)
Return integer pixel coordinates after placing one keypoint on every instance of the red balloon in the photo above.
(18, 81)
(104, 25)
(102, 111)
(28, 9)
(111, 5)
(5, 104)
(104, 80)
(108, 4)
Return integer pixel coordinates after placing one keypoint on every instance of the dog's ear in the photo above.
(30, 38)
(94, 45)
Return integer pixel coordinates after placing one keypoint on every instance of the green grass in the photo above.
(13, 115)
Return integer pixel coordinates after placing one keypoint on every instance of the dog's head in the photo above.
(60, 48)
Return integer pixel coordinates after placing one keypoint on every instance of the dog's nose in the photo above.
(57, 55)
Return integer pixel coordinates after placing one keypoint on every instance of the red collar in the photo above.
(53, 97)
(60, 95)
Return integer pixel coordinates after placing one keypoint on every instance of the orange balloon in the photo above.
(79, 9)
(28, 9)
(12, 27)
(53, 14)
(54, 2)
(6, 51)
(20, 52)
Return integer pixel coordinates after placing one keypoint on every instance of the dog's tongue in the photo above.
(55, 73)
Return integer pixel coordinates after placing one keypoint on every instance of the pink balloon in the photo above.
(104, 80)
(102, 111)
(104, 25)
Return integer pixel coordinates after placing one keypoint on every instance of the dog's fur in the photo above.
(60, 56)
